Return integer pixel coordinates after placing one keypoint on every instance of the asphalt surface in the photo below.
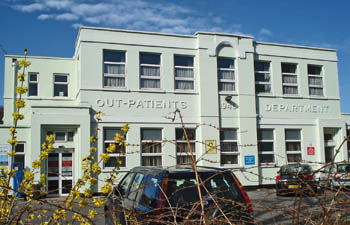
(268, 208)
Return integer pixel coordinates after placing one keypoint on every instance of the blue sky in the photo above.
(49, 27)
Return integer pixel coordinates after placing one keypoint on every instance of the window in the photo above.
(150, 70)
(315, 80)
(265, 146)
(20, 154)
(124, 185)
(62, 136)
(183, 155)
(228, 147)
(150, 191)
(118, 157)
(293, 145)
(135, 186)
(226, 74)
(289, 79)
(60, 85)
(113, 69)
(151, 147)
(33, 84)
(184, 72)
(262, 77)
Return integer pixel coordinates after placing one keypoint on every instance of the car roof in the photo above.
(174, 169)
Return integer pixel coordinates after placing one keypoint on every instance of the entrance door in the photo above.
(59, 173)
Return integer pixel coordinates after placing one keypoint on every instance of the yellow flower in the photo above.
(92, 149)
(20, 103)
(105, 157)
(11, 154)
(111, 148)
(92, 213)
(49, 147)
(93, 139)
(12, 141)
(36, 164)
(118, 137)
(39, 216)
(21, 77)
(87, 193)
(43, 146)
(24, 63)
(99, 202)
(43, 155)
(93, 181)
(17, 116)
(96, 168)
(30, 217)
(125, 128)
(50, 138)
(83, 202)
(21, 90)
(106, 188)
(75, 193)
(44, 211)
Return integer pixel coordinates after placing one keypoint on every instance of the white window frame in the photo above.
(184, 141)
(114, 75)
(152, 141)
(65, 135)
(264, 83)
(267, 141)
(184, 78)
(290, 75)
(293, 140)
(33, 82)
(315, 86)
(235, 153)
(60, 83)
(115, 154)
(231, 81)
(151, 77)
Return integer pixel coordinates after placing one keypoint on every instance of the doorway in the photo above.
(60, 172)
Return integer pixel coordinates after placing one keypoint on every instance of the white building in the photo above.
(261, 104)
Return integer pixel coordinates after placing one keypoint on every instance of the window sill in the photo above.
(231, 166)
(152, 90)
(317, 97)
(122, 169)
(228, 93)
(268, 165)
(116, 89)
(292, 96)
(265, 95)
(185, 92)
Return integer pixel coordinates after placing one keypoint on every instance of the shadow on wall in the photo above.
(1, 114)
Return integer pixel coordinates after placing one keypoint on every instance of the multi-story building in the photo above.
(246, 105)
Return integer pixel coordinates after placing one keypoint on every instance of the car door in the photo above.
(135, 188)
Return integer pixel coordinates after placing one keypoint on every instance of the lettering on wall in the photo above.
(296, 108)
(141, 104)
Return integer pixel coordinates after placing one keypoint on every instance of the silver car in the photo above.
(335, 175)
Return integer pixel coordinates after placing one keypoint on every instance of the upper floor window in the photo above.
(315, 80)
(118, 157)
(151, 147)
(113, 68)
(226, 74)
(293, 145)
(289, 78)
(184, 72)
(262, 77)
(33, 84)
(62, 136)
(265, 146)
(149, 70)
(228, 147)
(60, 85)
(183, 155)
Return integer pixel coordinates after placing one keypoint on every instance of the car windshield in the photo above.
(343, 168)
(182, 188)
(296, 169)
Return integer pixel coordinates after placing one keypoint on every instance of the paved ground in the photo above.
(268, 208)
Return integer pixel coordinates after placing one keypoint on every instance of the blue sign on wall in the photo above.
(249, 160)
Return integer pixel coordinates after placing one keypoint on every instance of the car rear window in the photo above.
(182, 189)
(343, 168)
(296, 169)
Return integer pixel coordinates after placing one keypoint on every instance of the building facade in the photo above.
(246, 105)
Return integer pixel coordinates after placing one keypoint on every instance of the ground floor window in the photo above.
(293, 145)
(228, 147)
(151, 147)
(183, 155)
(20, 155)
(266, 146)
(118, 157)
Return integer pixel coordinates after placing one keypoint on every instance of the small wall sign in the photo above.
(310, 150)
(210, 146)
(249, 159)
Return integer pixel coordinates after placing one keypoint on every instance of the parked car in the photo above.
(295, 178)
(335, 175)
(162, 195)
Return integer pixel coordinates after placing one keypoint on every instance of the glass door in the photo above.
(59, 173)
